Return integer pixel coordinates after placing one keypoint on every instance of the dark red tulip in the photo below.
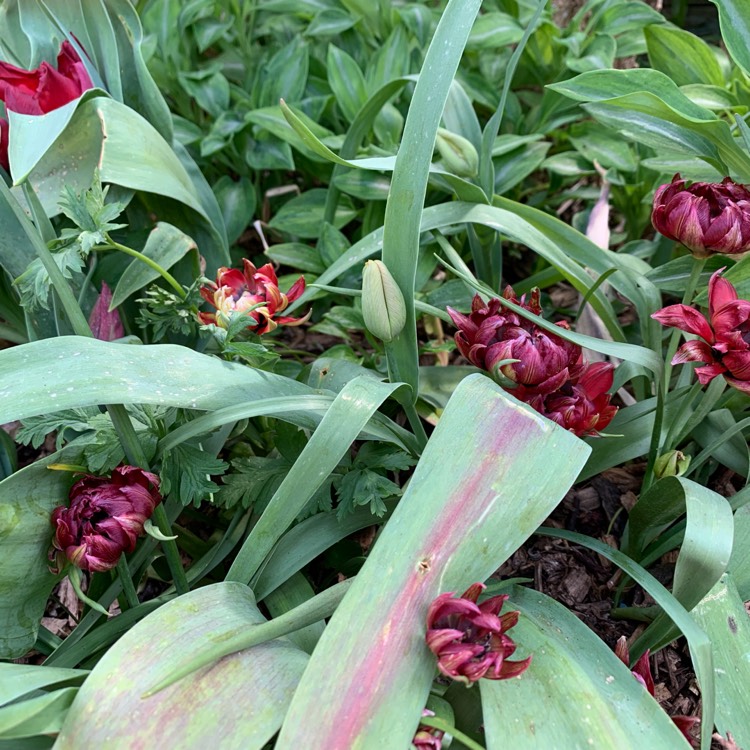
(36, 92)
(491, 334)
(582, 404)
(256, 291)
(724, 338)
(470, 640)
(428, 738)
(105, 517)
(706, 217)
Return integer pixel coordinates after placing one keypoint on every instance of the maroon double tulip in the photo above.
(36, 92)
(581, 405)
(642, 672)
(492, 334)
(706, 217)
(724, 338)
(105, 517)
(549, 374)
(470, 640)
(255, 291)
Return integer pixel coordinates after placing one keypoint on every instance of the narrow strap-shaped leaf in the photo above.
(409, 183)
(346, 417)
(704, 553)
(491, 471)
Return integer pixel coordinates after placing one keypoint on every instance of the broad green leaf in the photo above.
(403, 210)
(241, 699)
(684, 57)
(295, 591)
(604, 85)
(493, 30)
(739, 562)
(734, 19)
(237, 201)
(71, 371)
(27, 499)
(304, 542)
(165, 245)
(302, 216)
(455, 524)
(346, 81)
(41, 714)
(590, 697)
(723, 616)
(16, 680)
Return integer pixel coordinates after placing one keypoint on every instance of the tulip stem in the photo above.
(135, 455)
(131, 597)
(657, 437)
(112, 245)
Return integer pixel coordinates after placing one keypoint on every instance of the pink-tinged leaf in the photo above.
(236, 703)
(492, 471)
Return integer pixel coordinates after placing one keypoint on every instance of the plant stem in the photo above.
(112, 245)
(663, 388)
(171, 551)
(70, 304)
(131, 597)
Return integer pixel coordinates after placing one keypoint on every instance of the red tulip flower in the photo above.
(549, 374)
(256, 291)
(36, 92)
(581, 405)
(706, 217)
(642, 673)
(491, 334)
(724, 338)
(470, 640)
(105, 517)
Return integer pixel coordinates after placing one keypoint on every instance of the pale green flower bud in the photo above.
(459, 155)
(383, 305)
(671, 464)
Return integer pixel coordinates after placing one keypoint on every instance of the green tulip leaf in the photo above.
(590, 697)
(722, 615)
(456, 523)
(241, 699)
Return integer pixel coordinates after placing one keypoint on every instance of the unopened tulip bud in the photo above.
(383, 305)
(459, 154)
(671, 464)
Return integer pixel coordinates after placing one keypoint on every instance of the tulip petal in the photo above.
(686, 319)
(693, 351)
